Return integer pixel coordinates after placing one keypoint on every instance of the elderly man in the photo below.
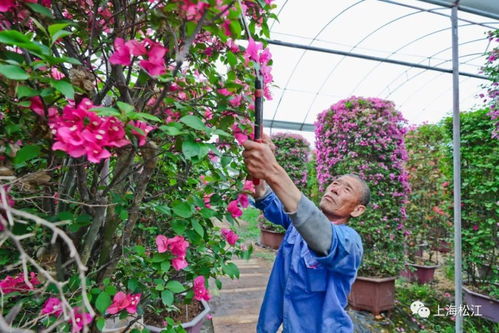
(318, 260)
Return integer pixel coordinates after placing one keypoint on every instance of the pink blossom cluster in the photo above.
(123, 301)
(11, 284)
(53, 307)
(81, 132)
(230, 236)
(153, 62)
(177, 246)
(242, 201)
(200, 291)
(255, 52)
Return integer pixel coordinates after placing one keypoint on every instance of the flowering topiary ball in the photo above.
(292, 153)
(365, 136)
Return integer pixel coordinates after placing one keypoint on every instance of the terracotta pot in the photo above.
(373, 294)
(271, 239)
(194, 326)
(487, 306)
(423, 274)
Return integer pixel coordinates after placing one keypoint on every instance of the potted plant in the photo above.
(366, 136)
(429, 201)
(479, 215)
(119, 127)
(271, 235)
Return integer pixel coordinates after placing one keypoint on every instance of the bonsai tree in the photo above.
(120, 144)
(366, 136)
(479, 170)
(430, 199)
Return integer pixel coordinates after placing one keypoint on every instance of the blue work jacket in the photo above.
(306, 292)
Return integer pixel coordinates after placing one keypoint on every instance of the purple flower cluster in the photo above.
(365, 136)
(491, 70)
(292, 153)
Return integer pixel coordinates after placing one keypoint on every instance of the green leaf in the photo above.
(182, 209)
(207, 213)
(106, 111)
(235, 28)
(53, 28)
(167, 297)
(165, 266)
(60, 34)
(231, 59)
(231, 270)
(190, 148)
(132, 285)
(24, 91)
(70, 60)
(194, 122)
(102, 302)
(218, 283)
(14, 37)
(42, 10)
(175, 286)
(101, 322)
(171, 130)
(63, 87)
(13, 72)
(27, 153)
(125, 107)
(163, 209)
(141, 115)
(197, 227)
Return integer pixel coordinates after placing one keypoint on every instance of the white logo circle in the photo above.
(424, 312)
(415, 306)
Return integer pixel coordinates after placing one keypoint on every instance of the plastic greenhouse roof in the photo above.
(409, 31)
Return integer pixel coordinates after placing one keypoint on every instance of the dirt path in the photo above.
(235, 309)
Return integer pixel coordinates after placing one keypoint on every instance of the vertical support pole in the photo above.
(457, 172)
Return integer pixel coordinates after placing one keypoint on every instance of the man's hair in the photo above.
(365, 192)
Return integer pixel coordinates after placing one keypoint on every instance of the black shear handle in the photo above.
(258, 108)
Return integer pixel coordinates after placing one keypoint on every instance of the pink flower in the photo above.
(56, 75)
(155, 64)
(438, 210)
(6, 5)
(200, 291)
(140, 130)
(11, 284)
(123, 301)
(121, 55)
(162, 243)
(136, 48)
(52, 306)
(120, 302)
(249, 186)
(235, 101)
(206, 199)
(230, 236)
(233, 209)
(81, 319)
(178, 245)
(224, 92)
(475, 227)
(243, 200)
(179, 263)
(134, 300)
(251, 52)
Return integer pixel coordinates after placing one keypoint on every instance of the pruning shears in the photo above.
(258, 93)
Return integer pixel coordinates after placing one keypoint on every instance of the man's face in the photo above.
(342, 197)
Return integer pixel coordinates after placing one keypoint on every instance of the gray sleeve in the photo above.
(313, 225)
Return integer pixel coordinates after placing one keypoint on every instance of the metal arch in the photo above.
(279, 13)
(440, 74)
(342, 59)
(441, 14)
(421, 72)
(396, 51)
(303, 54)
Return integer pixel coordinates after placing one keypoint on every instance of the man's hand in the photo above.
(259, 159)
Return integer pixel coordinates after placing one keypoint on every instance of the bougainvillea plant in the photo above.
(292, 153)
(429, 211)
(365, 136)
(491, 70)
(479, 205)
(121, 125)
